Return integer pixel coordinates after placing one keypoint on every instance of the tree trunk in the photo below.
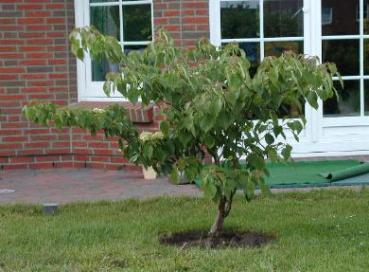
(224, 208)
(217, 227)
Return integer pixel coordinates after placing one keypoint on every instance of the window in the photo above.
(130, 21)
(345, 42)
(333, 30)
(264, 28)
(269, 27)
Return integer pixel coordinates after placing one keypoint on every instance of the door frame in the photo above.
(324, 136)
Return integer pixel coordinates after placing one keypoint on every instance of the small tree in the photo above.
(211, 106)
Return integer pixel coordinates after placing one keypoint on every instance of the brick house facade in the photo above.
(36, 63)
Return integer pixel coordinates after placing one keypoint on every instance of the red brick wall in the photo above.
(186, 20)
(35, 63)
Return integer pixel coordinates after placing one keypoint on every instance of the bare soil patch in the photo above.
(232, 239)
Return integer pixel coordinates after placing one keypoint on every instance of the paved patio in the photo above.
(70, 185)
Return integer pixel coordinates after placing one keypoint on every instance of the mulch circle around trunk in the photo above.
(226, 239)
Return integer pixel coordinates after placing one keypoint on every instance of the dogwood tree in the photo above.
(212, 106)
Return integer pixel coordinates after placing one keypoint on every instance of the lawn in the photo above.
(316, 231)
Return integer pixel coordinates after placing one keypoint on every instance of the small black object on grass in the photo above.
(50, 208)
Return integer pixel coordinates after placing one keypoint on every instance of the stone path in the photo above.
(70, 185)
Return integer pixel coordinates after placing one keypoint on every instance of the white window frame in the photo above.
(216, 39)
(351, 121)
(324, 136)
(89, 90)
(366, 12)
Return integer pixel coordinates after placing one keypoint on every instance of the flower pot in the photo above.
(149, 173)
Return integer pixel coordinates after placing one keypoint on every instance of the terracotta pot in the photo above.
(149, 173)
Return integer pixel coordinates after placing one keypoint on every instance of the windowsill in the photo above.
(138, 113)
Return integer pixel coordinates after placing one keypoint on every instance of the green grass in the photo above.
(317, 231)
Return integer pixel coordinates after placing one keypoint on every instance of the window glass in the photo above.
(252, 50)
(345, 53)
(283, 18)
(277, 48)
(101, 68)
(366, 57)
(366, 97)
(240, 19)
(344, 17)
(109, 15)
(106, 20)
(366, 17)
(349, 100)
(131, 48)
(137, 22)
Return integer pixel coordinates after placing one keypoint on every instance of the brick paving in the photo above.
(71, 185)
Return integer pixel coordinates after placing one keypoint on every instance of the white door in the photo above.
(345, 41)
(333, 30)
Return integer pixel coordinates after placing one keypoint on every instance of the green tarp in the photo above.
(305, 172)
(346, 173)
(316, 174)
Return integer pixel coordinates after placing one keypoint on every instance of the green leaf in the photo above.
(164, 127)
(148, 151)
(215, 107)
(184, 137)
(286, 152)
(211, 191)
(209, 140)
(312, 98)
(207, 122)
(256, 161)
(269, 139)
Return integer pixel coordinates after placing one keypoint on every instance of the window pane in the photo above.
(345, 53)
(106, 20)
(366, 97)
(252, 50)
(101, 68)
(348, 103)
(366, 57)
(344, 17)
(366, 16)
(137, 22)
(240, 19)
(130, 48)
(283, 18)
(277, 48)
